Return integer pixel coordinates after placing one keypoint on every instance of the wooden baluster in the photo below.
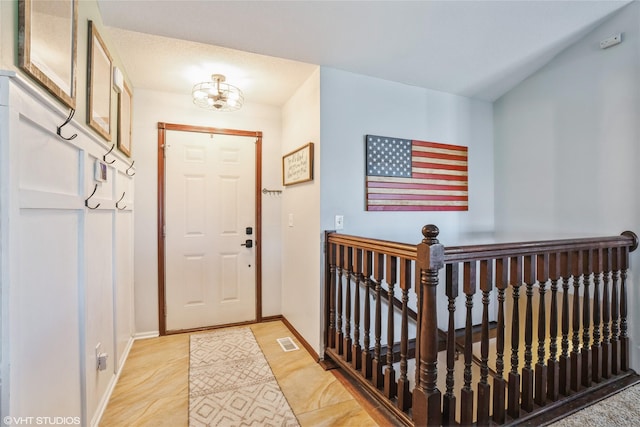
(543, 268)
(484, 389)
(466, 397)
(615, 314)
(427, 399)
(553, 368)
(356, 350)
(624, 337)
(348, 274)
(527, 371)
(404, 395)
(499, 384)
(366, 354)
(339, 334)
(606, 314)
(513, 408)
(389, 372)
(331, 337)
(565, 360)
(576, 360)
(586, 318)
(378, 379)
(449, 399)
(596, 356)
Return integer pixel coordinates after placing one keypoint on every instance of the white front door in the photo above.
(210, 216)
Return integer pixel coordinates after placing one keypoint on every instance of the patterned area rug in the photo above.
(231, 383)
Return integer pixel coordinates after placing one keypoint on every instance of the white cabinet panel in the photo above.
(45, 328)
(47, 163)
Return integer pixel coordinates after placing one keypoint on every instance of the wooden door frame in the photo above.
(162, 128)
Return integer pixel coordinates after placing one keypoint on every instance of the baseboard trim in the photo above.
(145, 335)
(104, 402)
(304, 342)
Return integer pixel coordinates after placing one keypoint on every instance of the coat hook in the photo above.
(130, 168)
(86, 201)
(107, 153)
(119, 200)
(59, 131)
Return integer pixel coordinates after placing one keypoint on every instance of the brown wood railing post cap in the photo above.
(634, 237)
(430, 233)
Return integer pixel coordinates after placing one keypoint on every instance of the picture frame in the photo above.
(99, 81)
(124, 120)
(297, 166)
(47, 45)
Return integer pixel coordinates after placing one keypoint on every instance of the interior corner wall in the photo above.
(301, 247)
(151, 107)
(566, 143)
(355, 105)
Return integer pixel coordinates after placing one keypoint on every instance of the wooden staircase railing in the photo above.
(574, 318)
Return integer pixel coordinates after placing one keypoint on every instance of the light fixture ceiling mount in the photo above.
(217, 95)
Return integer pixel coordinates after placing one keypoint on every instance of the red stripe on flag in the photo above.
(417, 208)
(438, 156)
(442, 177)
(413, 186)
(398, 196)
(438, 145)
(438, 166)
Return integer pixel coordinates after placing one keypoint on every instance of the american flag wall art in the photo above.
(409, 175)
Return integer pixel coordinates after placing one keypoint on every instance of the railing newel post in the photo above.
(427, 399)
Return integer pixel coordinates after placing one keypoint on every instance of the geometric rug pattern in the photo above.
(231, 383)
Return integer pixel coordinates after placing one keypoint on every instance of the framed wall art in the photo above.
(98, 84)
(297, 166)
(124, 120)
(47, 45)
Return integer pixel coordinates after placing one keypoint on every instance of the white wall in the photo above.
(567, 142)
(355, 105)
(301, 249)
(149, 108)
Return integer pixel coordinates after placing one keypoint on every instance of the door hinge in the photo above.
(164, 230)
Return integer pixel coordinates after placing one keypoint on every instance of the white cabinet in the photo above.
(66, 284)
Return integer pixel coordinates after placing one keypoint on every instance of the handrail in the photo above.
(498, 250)
(492, 250)
(401, 250)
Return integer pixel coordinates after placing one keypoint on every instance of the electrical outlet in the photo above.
(290, 220)
(339, 222)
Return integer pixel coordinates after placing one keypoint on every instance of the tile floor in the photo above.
(153, 389)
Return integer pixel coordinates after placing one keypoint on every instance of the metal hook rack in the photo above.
(119, 200)
(107, 153)
(271, 192)
(59, 129)
(130, 168)
(86, 201)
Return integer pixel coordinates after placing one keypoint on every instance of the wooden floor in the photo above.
(153, 387)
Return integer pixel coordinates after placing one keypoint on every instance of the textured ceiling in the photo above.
(472, 48)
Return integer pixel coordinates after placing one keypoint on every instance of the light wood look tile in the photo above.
(153, 389)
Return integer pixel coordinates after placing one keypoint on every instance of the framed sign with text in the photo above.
(297, 166)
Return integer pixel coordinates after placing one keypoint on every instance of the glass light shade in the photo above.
(217, 95)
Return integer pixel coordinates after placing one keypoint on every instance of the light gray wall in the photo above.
(566, 142)
(355, 105)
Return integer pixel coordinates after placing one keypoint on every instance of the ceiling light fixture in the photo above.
(217, 95)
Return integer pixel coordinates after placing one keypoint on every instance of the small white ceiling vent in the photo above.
(287, 344)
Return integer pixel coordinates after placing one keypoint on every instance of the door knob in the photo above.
(248, 243)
